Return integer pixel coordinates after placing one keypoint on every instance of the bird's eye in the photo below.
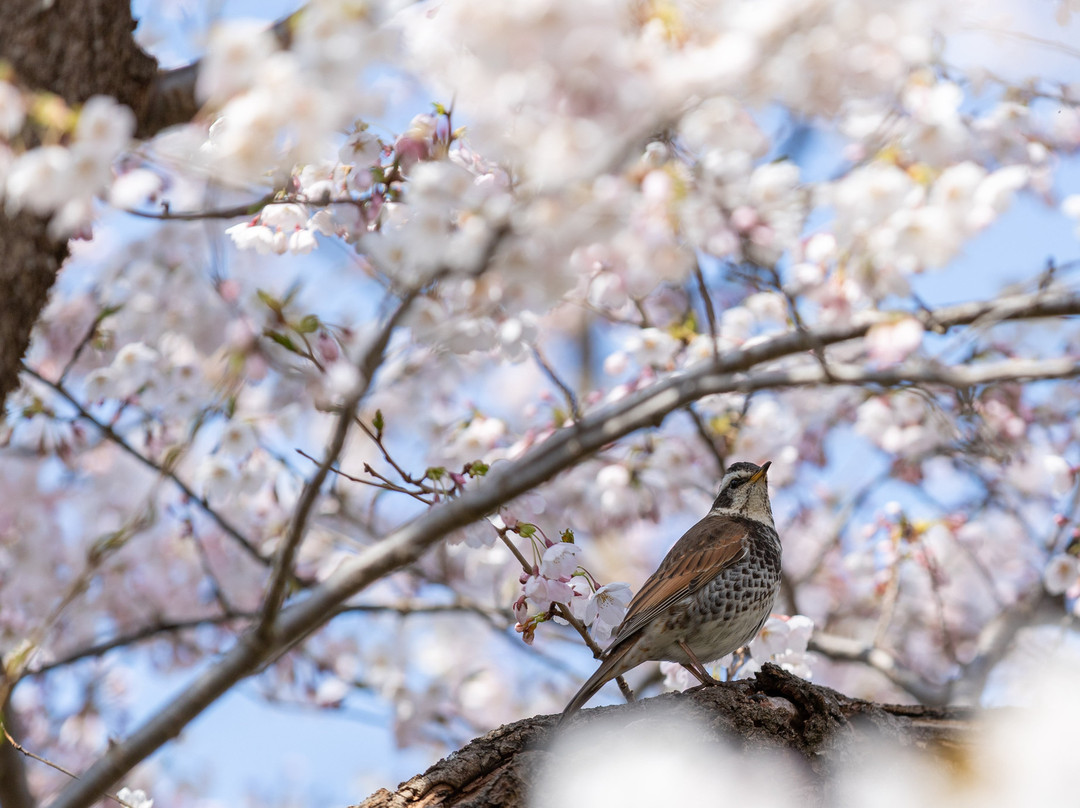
(736, 483)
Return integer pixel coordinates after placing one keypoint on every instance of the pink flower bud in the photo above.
(329, 351)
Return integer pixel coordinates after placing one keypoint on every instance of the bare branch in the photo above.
(27, 753)
(707, 440)
(283, 559)
(170, 627)
(244, 209)
(167, 471)
(843, 649)
(710, 312)
(549, 371)
(14, 789)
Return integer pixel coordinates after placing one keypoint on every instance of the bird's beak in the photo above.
(760, 473)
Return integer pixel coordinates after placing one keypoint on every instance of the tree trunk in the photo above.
(75, 49)
(774, 710)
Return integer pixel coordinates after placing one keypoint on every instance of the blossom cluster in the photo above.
(61, 179)
(558, 579)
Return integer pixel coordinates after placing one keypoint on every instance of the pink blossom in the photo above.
(543, 591)
(606, 608)
(560, 560)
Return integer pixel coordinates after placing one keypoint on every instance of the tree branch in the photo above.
(283, 560)
(844, 649)
(169, 627)
(165, 471)
(563, 449)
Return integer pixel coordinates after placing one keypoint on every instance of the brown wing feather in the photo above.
(703, 551)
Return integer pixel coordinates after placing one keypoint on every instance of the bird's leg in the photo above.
(695, 667)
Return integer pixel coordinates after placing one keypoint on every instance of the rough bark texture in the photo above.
(774, 710)
(14, 790)
(29, 260)
(76, 49)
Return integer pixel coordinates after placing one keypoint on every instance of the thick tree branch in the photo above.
(825, 731)
(562, 450)
(75, 49)
(171, 96)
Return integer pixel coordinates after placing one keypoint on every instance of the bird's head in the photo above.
(744, 492)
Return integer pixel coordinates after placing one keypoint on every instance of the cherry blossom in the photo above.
(701, 232)
(606, 608)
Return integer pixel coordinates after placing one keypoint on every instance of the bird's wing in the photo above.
(699, 556)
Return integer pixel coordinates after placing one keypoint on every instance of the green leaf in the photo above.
(435, 472)
(291, 293)
(281, 340)
(568, 535)
(477, 468)
(439, 108)
(108, 311)
(271, 302)
(526, 529)
(308, 325)
(378, 423)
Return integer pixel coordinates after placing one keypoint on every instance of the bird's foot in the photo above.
(695, 667)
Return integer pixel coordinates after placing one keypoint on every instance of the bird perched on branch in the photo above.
(711, 594)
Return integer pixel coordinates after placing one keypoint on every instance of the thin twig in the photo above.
(166, 471)
(56, 766)
(710, 312)
(817, 346)
(549, 371)
(407, 478)
(843, 649)
(245, 209)
(87, 337)
(706, 438)
(283, 558)
(208, 570)
(384, 483)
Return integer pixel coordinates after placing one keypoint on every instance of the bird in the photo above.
(711, 594)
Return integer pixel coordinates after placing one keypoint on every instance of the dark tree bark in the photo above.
(75, 49)
(14, 790)
(29, 261)
(774, 710)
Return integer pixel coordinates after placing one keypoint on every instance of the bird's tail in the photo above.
(612, 666)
